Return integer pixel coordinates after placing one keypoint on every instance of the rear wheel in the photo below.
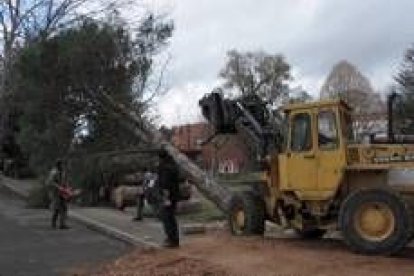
(375, 222)
(246, 214)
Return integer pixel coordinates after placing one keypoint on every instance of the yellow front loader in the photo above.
(318, 180)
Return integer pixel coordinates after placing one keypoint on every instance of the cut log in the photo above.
(207, 185)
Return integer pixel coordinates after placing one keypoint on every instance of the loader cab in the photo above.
(312, 164)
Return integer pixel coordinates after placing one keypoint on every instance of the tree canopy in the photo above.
(24, 22)
(57, 77)
(257, 73)
(346, 82)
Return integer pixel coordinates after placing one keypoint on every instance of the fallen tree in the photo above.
(208, 186)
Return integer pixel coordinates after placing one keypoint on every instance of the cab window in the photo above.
(327, 130)
(301, 135)
(347, 129)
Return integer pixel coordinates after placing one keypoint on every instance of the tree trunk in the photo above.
(210, 188)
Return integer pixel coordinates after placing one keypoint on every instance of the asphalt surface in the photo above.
(28, 246)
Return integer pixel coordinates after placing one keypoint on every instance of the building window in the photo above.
(227, 166)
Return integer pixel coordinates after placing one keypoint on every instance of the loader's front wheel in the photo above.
(375, 222)
(246, 214)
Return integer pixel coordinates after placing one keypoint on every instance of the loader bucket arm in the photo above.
(247, 116)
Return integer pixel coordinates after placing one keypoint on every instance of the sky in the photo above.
(313, 35)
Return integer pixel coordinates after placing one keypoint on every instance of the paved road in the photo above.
(28, 246)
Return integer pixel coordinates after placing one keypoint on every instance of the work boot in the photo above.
(64, 227)
(170, 244)
(137, 219)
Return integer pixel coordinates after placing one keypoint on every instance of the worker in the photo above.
(140, 198)
(169, 191)
(56, 184)
(147, 183)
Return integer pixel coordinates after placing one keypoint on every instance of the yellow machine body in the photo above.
(316, 169)
(324, 181)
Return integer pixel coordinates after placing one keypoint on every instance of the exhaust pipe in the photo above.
(391, 99)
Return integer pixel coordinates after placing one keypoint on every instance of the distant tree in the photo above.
(344, 77)
(405, 87)
(405, 78)
(257, 73)
(299, 95)
(347, 83)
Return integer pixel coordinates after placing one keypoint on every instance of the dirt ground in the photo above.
(220, 254)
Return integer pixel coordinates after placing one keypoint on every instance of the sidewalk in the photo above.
(108, 221)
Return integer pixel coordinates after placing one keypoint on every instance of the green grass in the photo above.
(240, 177)
(207, 212)
(240, 182)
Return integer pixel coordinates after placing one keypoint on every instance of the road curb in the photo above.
(13, 189)
(111, 231)
(92, 224)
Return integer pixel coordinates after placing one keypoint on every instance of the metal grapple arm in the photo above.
(247, 116)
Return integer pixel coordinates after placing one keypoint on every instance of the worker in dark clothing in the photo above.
(55, 183)
(169, 191)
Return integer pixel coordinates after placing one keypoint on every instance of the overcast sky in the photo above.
(312, 34)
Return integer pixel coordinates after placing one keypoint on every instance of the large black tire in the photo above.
(252, 222)
(312, 233)
(375, 222)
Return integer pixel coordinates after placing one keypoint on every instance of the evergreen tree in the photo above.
(57, 76)
(404, 113)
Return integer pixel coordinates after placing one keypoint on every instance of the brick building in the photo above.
(224, 153)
